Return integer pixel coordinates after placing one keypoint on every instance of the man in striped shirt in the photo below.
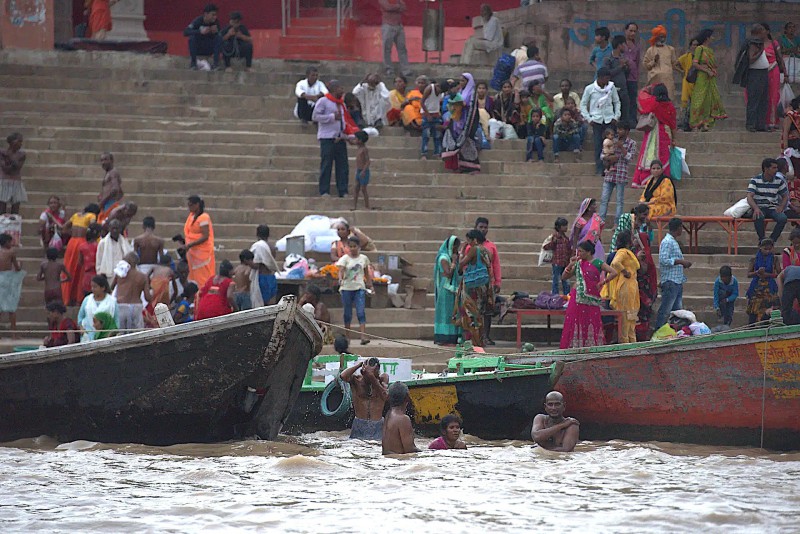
(531, 71)
(767, 196)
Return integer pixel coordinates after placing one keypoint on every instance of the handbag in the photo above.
(476, 274)
(646, 122)
(56, 242)
(546, 256)
(691, 76)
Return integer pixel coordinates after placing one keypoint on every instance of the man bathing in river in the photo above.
(398, 434)
(369, 398)
(553, 431)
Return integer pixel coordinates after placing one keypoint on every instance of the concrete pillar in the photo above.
(128, 21)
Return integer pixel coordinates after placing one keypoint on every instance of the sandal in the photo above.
(365, 341)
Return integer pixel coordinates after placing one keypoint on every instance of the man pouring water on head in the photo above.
(370, 391)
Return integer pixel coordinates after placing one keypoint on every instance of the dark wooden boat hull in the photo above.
(187, 383)
(739, 389)
(494, 408)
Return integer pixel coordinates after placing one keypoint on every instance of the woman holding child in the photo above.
(583, 326)
(445, 286)
(659, 193)
(588, 226)
(475, 296)
(657, 142)
(460, 149)
(762, 295)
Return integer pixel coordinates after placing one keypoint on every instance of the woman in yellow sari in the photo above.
(199, 247)
(623, 291)
(397, 97)
(659, 193)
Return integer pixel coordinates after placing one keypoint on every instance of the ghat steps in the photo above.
(231, 138)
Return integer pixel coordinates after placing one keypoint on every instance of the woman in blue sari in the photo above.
(445, 286)
(460, 151)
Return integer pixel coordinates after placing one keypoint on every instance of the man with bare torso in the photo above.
(398, 433)
(369, 398)
(553, 431)
(111, 189)
(130, 284)
(148, 246)
(242, 279)
(123, 214)
(11, 276)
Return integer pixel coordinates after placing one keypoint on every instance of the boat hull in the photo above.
(738, 390)
(187, 383)
(502, 407)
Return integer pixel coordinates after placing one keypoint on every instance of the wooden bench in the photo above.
(693, 224)
(561, 313)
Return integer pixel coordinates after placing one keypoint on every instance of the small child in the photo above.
(362, 167)
(762, 295)
(450, 434)
(50, 272)
(11, 276)
(184, 311)
(726, 291)
(353, 280)
(536, 133)
(182, 280)
(432, 121)
(312, 296)
(609, 147)
(560, 245)
(241, 279)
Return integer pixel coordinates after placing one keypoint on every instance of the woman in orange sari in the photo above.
(199, 247)
(77, 225)
(99, 12)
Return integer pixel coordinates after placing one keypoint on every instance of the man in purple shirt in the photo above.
(632, 54)
(329, 116)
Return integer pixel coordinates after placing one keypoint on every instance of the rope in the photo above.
(764, 386)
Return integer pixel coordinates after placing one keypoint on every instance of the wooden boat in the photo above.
(496, 404)
(210, 380)
(735, 388)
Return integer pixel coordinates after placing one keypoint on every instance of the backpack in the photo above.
(548, 301)
(503, 70)
(476, 274)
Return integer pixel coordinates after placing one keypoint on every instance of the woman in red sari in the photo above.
(216, 296)
(776, 67)
(582, 324)
(657, 142)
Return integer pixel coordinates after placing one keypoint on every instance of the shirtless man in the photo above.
(111, 189)
(312, 296)
(553, 431)
(123, 213)
(398, 434)
(50, 272)
(369, 398)
(148, 246)
(130, 286)
(12, 160)
(11, 275)
(241, 278)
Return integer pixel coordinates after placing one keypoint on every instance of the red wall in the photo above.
(456, 12)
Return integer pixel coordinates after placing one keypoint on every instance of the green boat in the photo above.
(495, 399)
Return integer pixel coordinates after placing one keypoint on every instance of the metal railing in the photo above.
(286, 14)
(344, 10)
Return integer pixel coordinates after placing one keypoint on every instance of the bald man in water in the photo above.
(553, 431)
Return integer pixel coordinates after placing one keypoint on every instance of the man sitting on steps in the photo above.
(204, 35)
(237, 42)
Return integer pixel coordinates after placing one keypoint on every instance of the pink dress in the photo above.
(438, 444)
(582, 324)
(773, 85)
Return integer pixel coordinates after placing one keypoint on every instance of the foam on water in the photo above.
(308, 484)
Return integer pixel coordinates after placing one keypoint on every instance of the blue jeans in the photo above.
(357, 297)
(332, 151)
(430, 126)
(569, 142)
(558, 270)
(605, 197)
(780, 221)
(534, 143)
(671, 300)
(205, 45)
(582, 133)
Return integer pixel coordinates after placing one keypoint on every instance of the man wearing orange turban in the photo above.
(660, 60)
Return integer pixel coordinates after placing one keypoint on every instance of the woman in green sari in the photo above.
(706, 103)
(445, 286)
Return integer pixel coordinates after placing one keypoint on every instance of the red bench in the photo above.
(549, 313)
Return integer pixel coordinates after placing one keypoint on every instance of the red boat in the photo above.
(734, 388)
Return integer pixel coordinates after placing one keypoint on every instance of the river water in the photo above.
(324, 483)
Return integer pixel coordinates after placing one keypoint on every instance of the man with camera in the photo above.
(204, 36)
(237, 42)
(370, 392)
